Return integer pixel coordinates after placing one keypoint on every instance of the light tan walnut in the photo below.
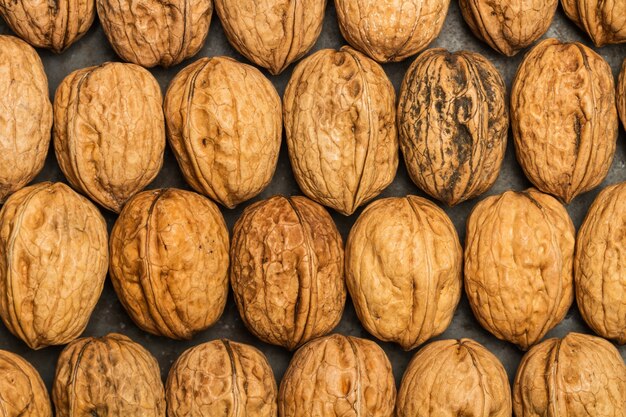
(603, 20)
(22, 392)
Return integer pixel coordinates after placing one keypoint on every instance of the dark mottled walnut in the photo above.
(22, 392)
(621, 94)
(603, 20)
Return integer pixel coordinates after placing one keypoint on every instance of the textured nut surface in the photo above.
(621, 93)
(339, 114)
(108, 376)
(518, 265)
(603, 20)
(564, 118)
(452, 124)
(338, 376)
(22, 392)
(221, 378)
(287, 270)
(577, 376)
(450, 378)
(53, 262)
(404, 289)
(169, 262)
(224, 123)
(272, 33)
(109, 133)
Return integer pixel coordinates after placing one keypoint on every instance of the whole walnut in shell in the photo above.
(577, 376)
(22, 392)
(450, 378)
(404, 289)
(338, 376)
(151, 32)
(272, 33)
(287, 270)
(339, 114)
(519, 253)
(604, 21)
(221, 378)
(53, 262)
(107, 376)
(109, 132)
(169, 262)
(621, 94)
(452, 124)
(564, 118)
(224, 124)
(26, 115)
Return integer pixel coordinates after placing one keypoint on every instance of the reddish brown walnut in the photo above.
(621, 93)
(603, 20)
(22, 392)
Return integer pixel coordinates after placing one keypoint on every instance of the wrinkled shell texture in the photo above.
(272, 33)
(603, 20)
(224, 124)
(221, 378)
(339, 114)
(564, 118)
(451, 378)
(390, 30)
(25, 115)
(155, 32)
(109, 131)
(338, 376)
(108, 376)
(518, 265)
(404, 289)
(287, 270)
(22, 392)
(452, 124)
(577, 376)
(53, 262)
(508, 26)
(621, 94)
(169, 262)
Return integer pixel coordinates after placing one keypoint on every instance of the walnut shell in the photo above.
(338, 376)
(452, 124)
(450, 378)
(22, 392)
(221, 378)
(109, 132)
(621, 94)
(272, 33)
(155, 32)
(169, 262)
(107, 376)
(224, 124)
(604, 21)
(53, 263)
(404, 289)
(564, 118)
(577, 376)
(26, 115)
(287, 270)
(518, 265)
(339, 113)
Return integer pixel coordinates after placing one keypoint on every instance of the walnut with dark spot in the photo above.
(22, 392)
(603, 20)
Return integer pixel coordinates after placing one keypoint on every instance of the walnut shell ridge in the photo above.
(22, 392)
(287, 270)
(224, 124)
(53, 263)
(564, 118)
(518, 265)
(169, 262)
(621, 94)
(404, 290)
(604, 21)
(452, 124)
(339, 115)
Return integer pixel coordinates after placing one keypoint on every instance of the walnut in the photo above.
(107, 376)
(26, 115)
(577, 376)
(404, 289)
(272, 33)
(452, 378)
(621, 93)
(518, 265)
(224, 124)
(169, 262)
(287, 270)
(53, 262)
(452, 123)
(221, 378)
(564, 118)
(339, 113)
(22, 392)
(604, 21)
(155, 32)
(109, 133)
(338, 376)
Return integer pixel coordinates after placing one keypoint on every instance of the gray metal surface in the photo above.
(109, 315)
